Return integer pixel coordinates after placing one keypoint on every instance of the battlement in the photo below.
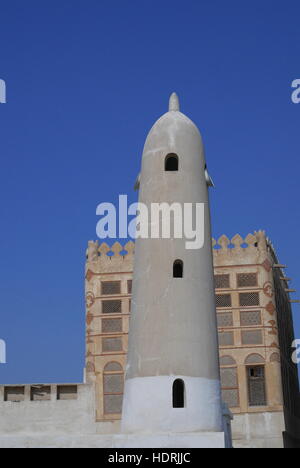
(105, 258)
(254, 248)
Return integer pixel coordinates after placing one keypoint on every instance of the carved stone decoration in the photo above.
(223, 241)
(90, 299)
(89, 319)
(275, 357)
(93, 251)
(268, 289)
(116, 249)
(274, 329)
(89, 275)
(237, 240)
(90, 367)
(270, 308)
(267, 265)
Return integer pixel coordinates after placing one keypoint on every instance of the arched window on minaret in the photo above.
(178, 269)
(178, 394)
(171, 162)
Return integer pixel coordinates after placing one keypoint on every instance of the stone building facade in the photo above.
(259, 380)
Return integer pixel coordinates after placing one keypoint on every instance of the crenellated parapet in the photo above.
(253, 249)
(104, 258)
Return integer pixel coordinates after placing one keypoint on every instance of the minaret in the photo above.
(172, 380)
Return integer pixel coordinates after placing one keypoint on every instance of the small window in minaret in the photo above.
(171, 162)
(178, 394)
(178, 269)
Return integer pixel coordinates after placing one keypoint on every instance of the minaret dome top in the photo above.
(174, 103)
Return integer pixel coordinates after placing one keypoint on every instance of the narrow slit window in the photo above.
(171, 162)
(178, 394)
(178, 269)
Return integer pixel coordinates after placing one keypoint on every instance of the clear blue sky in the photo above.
(85, 82)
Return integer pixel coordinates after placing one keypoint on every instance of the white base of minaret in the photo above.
(148, 408)
(192, 440)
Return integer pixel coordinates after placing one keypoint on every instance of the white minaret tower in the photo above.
(172, 378)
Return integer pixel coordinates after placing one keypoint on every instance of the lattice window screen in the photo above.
(111, 325)
(226, 339)
(223, 300)
(249, 299)
(110, 287)
(111, 344)
(225, 320)
(231, 397)
(222, 281)
(256, 386)
(251, 317)
(252, 337)
(246, 280)
(111, 307)
(113, 383)
(113, 404)
(229, 377)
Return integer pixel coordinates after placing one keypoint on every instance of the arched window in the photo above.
(178, 269)
(113, 383)
(178, 394)
(171, 162)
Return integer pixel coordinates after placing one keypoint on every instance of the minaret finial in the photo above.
(174, 102)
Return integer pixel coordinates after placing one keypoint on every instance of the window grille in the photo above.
(231, 397)
(110, 287)
(113, 388)
(230, 391)
(256, 386)
(245, 280)
(251, 317)
(249, 299)
(222, 281)
(111, 344)
(223, 300)
(113, 404)
(225, 320)
(226, 339)
(111, 325)
(229, 377)
(252, 337)
(111, 307)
